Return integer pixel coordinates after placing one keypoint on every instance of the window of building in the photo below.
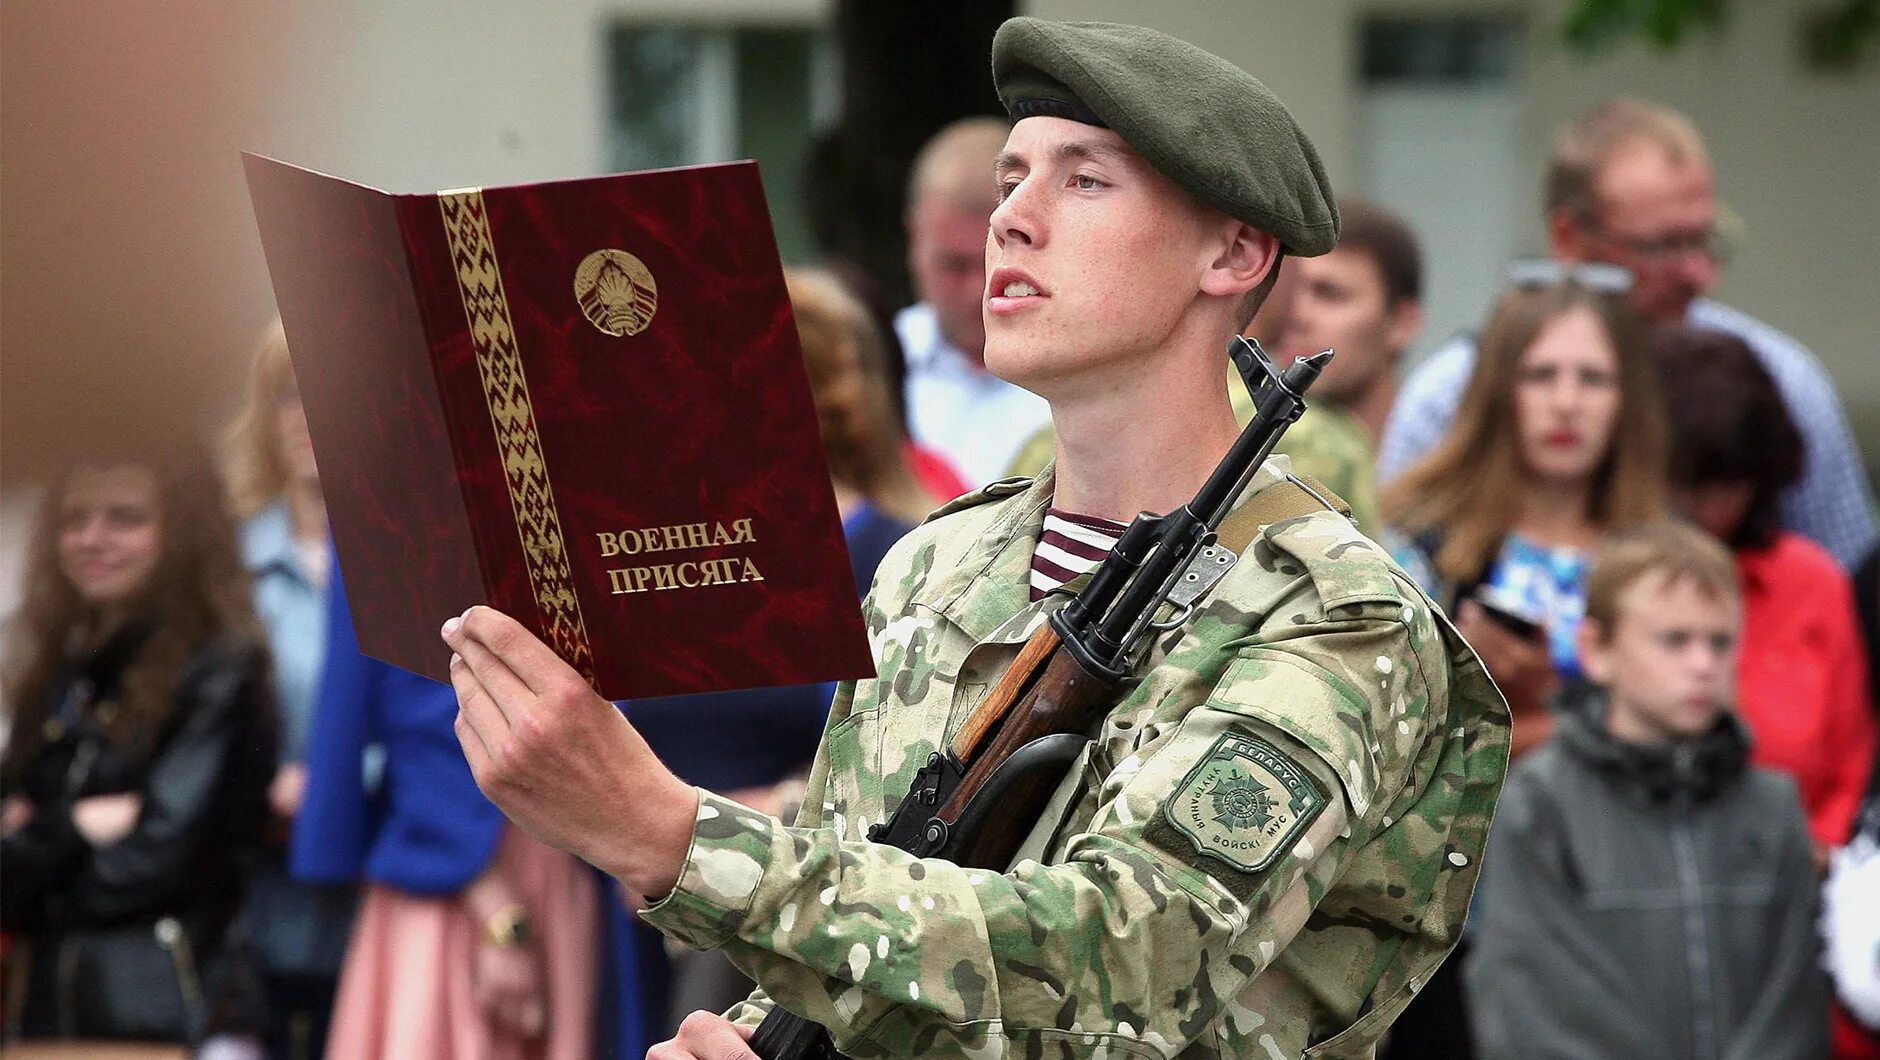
(1439, 111)
(680, 95)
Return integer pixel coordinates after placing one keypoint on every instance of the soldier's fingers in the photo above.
(709, 1036)
(475, 751)
(510, 642)
(506, 691)
(476, 713)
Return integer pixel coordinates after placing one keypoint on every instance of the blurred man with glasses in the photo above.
(1630, 184)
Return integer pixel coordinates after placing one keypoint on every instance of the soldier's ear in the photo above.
(1244, 258)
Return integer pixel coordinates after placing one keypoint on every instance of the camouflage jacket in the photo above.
(1274, 844)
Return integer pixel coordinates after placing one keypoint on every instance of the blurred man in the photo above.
(1631, 184)
(955, 407)
(1364, 300)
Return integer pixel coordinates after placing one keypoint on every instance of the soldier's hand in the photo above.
(559, 760)
(706, 1036)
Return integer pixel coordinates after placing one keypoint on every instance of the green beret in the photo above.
(1200, 120)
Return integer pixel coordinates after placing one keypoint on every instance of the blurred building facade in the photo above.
(133, 284)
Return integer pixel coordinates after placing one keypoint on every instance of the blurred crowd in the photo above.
(227, 829)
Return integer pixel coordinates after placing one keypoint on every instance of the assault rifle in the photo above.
(975, 802)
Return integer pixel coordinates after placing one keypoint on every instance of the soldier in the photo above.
(1274, 836)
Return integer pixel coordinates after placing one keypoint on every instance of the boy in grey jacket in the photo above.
(1646, 893)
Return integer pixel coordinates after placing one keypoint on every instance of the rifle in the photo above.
(975, 802)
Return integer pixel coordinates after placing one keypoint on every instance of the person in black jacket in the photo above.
(142, 742)
(1647, 892)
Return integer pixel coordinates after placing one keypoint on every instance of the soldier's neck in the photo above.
(1144, 450)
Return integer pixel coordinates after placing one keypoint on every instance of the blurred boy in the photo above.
(1647, 892)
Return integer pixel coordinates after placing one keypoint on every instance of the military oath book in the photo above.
(581, 403)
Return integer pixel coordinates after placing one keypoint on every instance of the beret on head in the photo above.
(1198, 119)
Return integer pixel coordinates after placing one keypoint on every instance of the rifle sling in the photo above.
(1289, 498)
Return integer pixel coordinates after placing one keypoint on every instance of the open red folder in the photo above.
(579, 402)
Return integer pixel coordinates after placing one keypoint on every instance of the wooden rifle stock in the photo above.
(1057, 696)
(1045, 693)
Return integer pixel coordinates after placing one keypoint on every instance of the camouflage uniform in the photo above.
(1255, 928)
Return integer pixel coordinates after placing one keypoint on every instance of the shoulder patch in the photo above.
(991, 491)
(1245, 803)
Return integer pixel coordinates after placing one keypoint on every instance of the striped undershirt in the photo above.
(1071, 545)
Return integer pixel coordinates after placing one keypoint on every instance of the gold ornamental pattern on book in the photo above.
(512, 415)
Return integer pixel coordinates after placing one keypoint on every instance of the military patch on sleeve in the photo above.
(1244, 803)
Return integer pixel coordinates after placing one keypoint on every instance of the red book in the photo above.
(581, 403)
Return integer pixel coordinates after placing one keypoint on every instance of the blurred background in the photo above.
(134, 284)
(134, 292)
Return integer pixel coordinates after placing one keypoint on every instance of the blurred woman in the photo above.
(299, 929)
(869, 466)
(143, 737)
(755, 745)
(1559, 439)
(1802, 674)
(473, 941)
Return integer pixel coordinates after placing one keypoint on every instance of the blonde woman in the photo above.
(1559, 440)
(299, 929)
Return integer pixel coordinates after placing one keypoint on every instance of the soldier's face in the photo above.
(1092, 259)
(1669, 662)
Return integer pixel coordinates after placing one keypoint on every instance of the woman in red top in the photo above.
(1802, 681)
(1803, 677)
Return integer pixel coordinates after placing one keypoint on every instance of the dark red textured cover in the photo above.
(484, 463)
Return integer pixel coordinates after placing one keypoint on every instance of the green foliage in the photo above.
(1842, 35)
(1594, 26)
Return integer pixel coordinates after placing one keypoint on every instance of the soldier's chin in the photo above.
(1012, 359)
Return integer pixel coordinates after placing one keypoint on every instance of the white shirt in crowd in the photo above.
(956, 408)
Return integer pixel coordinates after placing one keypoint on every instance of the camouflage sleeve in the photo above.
(752, 1010)
(1210, 847)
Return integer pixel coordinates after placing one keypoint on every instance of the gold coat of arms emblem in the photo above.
(616, 292)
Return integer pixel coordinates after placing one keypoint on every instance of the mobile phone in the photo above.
(1504, 613)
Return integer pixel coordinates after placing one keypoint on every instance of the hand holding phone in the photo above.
(1509, 614)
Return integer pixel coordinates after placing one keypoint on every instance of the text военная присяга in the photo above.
(685, 574)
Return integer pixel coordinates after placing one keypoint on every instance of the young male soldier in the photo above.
(1328, 443)
(1281, 816)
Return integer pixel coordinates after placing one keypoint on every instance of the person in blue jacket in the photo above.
(473, 940)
